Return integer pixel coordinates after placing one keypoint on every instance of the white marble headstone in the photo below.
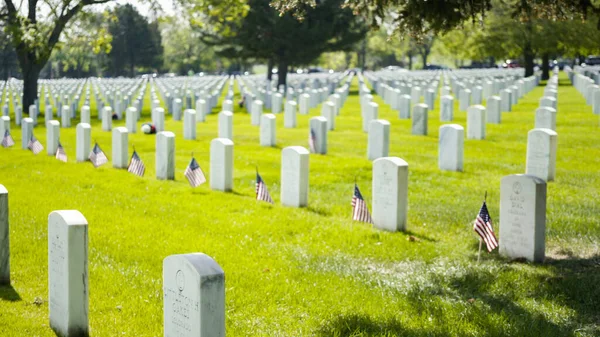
(447, 108)
(390, 193)
(131, 119)
(476, 122)
(221, 164)
(328, 111)
(523, 217)
(226, 124)
(541, 153)
(189, 124)
(107, 118)
(451, 147)
(379, 139)
(120, 154)
(404, 105)
(267, 130)
(318, 125)
(68, 287)
(294, 176)
(52, 136)
(494, 111)
(545, 118)
(4, 238)
(165, 155)
(194, 296)
(256, 112)
(420, 119)
(289, 114)
(26, 132)
(82, 146)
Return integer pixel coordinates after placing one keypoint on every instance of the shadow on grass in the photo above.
(419, 236)
(573, 284)
(361, 325)
(8, 293)
(319, 211)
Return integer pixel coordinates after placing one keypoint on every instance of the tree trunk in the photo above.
(545, 66)
(282, 70)
(424, 58)
(270, 66)
(31, 73)
(410, 62)
(528, 55)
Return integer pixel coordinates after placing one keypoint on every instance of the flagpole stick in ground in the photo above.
(480, 239)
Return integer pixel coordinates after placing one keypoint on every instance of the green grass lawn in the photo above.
(313, 271)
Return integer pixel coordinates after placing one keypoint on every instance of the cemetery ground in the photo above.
(313, 271)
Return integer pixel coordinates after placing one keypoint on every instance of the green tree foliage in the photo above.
(419, 17)
(35, 28)
(285, 39)
(183, 49)
(136, 43)
(82, 47)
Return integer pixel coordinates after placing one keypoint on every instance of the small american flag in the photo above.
(262, 193)
(136, 166)
(60, 153)
(360, 212)
(34, 145)
(97, 156)
(194, 174)
(312, 141)
(483, 227)
(7, 140)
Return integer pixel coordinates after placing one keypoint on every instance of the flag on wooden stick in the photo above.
(60, 153)
(360, 212)
(34, 145)
(97, 156)
(483, 227)
(262, 193)
(7, 140)
(136, 166)
(194, 174)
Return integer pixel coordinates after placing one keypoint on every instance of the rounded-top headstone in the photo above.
(390, 193)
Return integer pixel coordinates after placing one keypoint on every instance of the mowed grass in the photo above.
(313, 271)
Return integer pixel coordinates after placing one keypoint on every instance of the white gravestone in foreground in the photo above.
(494, 113)
(106, 118)
(194, 296)
(256, 113)
(120, 139)
(318, 126)
(52, 136)
(165, 155)
(476, 122)
(4, 238)
(447, 108)
(221, 164)
(451, 147)
(294, 176)
(68, 273)
(379, 139)
(289, 114)
(159, 119)
(328, 111)
(267, 130)
(371, 113)
(545, 118)
(85, 114)
(390, 193)
(82, 147)
(66, 117)
(404, 106)
(226, 124)
(131, 119)
(541, 153)
(189, 124)
(523, 217)
(419, 119)
(26, 132)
